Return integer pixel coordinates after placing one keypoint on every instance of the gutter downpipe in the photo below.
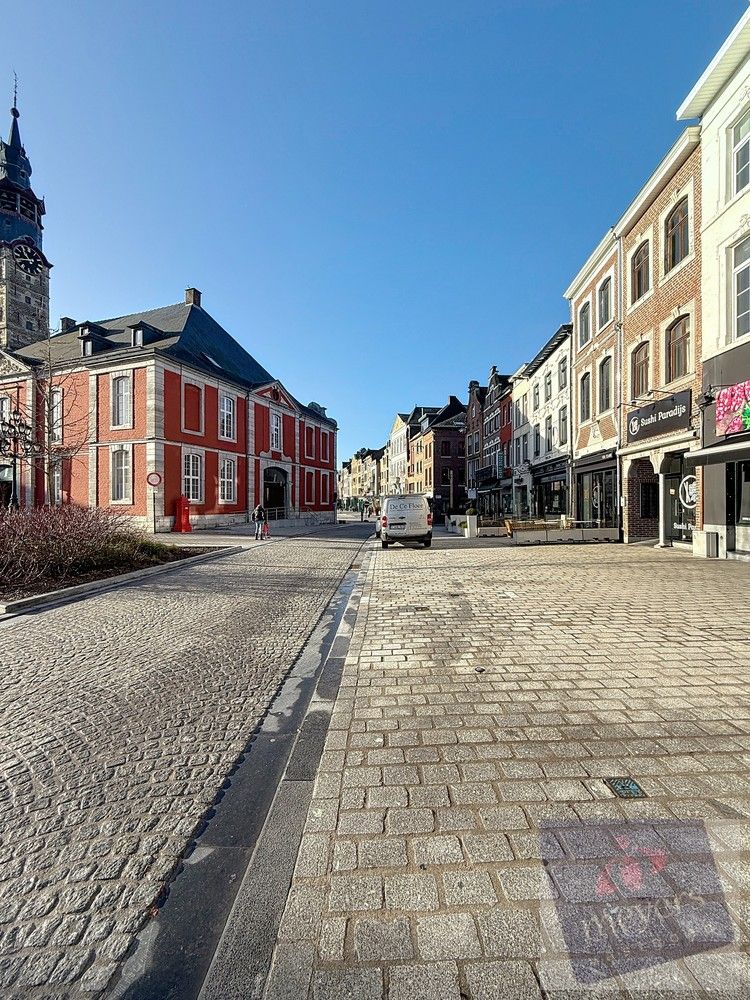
(247, 456)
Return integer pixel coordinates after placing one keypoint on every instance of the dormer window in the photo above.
(87, 348)
(137, 338)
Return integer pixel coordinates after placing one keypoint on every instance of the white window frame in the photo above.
(602, 359)
(687, 310)
(309, 493)
(202, 388)
(276, 431)
(686, 191)
(645, 237)
(324, 493)
(563, 364)
(227, 495)
(562, 423)
(581, 419)
(4, 407)
(548, 426)
(609, 277)
(56, 404)
(735, 272)
(126, 378)
(325, 446)
(647, 338)
(127, 498)
(736, 147)
(56, 482)
(200, 478)
(231, 414)
(584, 307)
(311, 452)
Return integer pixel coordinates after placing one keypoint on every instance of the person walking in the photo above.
(259, 518)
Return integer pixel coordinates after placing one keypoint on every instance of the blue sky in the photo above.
(379, 200)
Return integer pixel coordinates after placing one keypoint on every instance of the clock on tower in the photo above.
(24, 269)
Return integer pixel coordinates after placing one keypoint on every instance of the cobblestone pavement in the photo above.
(462, 844)
(120, 717)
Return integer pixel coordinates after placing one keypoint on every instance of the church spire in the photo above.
(21, 210)
(14, 136)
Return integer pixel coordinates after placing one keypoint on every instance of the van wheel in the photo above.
(427, 543)
(384, 543)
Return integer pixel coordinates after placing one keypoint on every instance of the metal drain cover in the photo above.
(625, 788)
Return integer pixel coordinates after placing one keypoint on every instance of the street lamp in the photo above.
(16, 442)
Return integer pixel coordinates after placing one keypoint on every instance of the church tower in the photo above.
(24, 270)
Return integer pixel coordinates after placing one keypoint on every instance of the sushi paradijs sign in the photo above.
(663, 416)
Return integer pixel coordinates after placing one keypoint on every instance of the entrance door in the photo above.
(274, 493)
(680, 500)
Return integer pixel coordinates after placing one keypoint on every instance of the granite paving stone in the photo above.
(494, 737)
(121, 717)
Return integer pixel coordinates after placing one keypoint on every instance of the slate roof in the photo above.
(185, 333)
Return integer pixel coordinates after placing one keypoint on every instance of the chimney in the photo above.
(67, 324)
(192, 297)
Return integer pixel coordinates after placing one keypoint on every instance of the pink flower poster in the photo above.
(733, 409)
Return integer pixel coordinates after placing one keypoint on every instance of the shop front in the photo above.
(488, 492)
(595, 478)
(659, 482)
(725, 455)
(551, 489)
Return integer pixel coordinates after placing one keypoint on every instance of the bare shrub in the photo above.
(42, 545)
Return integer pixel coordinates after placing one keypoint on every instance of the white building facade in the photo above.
(721, 100)
(548, 378)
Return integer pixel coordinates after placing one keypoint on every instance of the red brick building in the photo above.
(166, 391)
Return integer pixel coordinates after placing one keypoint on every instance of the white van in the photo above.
(405, 518)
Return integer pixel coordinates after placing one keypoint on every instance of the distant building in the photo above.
(549, 455)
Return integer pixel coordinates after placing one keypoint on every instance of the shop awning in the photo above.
(731, 451)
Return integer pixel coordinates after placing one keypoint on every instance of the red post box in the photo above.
(182, 514)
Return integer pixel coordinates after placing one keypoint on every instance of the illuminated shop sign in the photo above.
(660, 417)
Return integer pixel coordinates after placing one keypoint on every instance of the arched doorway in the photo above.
(274, 493)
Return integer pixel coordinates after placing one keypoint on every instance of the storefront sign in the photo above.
(660, 417)
(733, 409)
(689, 492)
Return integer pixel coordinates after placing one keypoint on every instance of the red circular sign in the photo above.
(153, 479)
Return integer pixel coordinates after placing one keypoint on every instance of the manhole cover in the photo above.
(625, 788)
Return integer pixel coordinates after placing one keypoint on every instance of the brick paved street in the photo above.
(120, 717)
(461, 843)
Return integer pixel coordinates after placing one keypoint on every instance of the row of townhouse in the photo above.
(635, 416)
(424, 453)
